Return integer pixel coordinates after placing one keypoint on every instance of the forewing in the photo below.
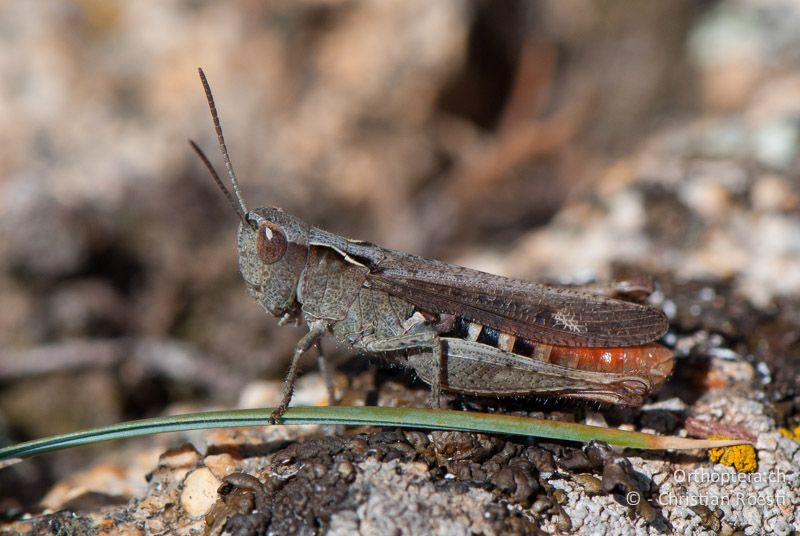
(551, 315)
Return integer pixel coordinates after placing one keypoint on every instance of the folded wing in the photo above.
(540, 313)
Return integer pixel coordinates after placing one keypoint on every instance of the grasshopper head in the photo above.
(273, 246)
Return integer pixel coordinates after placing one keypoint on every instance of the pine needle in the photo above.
(429, 419)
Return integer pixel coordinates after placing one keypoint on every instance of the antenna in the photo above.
(237, 202)
(236, 207)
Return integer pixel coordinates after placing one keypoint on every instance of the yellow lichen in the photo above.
(741, 457)
(794, 433)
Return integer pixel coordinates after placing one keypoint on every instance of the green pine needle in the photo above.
(363, 416)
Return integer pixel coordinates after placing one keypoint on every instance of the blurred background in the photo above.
(455, 129)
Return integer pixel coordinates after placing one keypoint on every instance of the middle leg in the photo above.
(426, 339)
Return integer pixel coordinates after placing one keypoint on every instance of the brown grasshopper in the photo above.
(459, 329)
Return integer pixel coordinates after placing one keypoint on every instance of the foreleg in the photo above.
(316, 330)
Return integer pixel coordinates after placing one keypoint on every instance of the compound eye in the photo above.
(270, 243)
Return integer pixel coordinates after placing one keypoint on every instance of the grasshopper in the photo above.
(460, 330)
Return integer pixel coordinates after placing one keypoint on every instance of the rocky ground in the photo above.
(549, 141)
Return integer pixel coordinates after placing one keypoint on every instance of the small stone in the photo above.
(767, 442)
(541, 505)
(184, 456)
(345, 469)
(779, 526)
(591, 484)
(752, 516)
(260, 394)
(103, 479)
(199, 492)
(706, 197)
(221, 464)
(771, 192)
(671, 404)
(575, 460)
(595, 418)
(724, 373)
(659, 478)
(358, 446)
(598, 453)
(776, 143)
(417, 468)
